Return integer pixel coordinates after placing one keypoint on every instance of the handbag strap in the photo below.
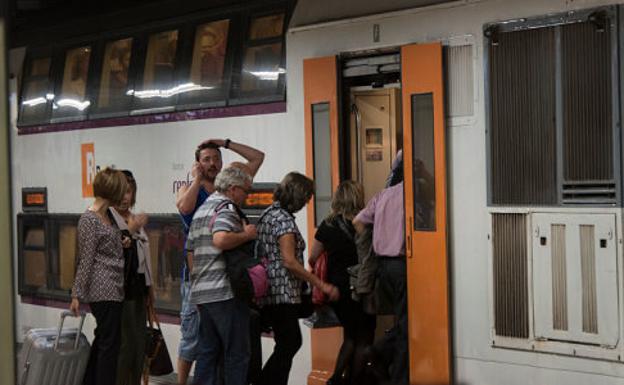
(152, 318)
(343, 226)
(220, 207)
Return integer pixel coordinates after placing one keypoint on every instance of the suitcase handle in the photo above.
(68, 313)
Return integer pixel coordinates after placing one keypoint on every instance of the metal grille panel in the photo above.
(510, 275)
(587, 102)
(459, 81)
(588, 277)
(523, 132)
(559, 278)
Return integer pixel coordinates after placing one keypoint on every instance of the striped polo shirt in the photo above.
(209, 280)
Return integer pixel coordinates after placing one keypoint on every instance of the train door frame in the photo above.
(429, 333)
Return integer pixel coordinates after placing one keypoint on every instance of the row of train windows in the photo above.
(199, 65)
(48, 250)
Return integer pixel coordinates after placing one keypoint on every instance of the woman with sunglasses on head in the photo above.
(137, 285)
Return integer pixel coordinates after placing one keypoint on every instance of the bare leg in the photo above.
(184, 368)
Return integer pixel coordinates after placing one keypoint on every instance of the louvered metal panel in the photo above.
(522, 117)
(509, 242)
(587, 103)
(588, 279)
(459, 81)
(559, 278)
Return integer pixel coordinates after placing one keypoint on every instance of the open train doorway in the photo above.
(359, 110)
(372, 131)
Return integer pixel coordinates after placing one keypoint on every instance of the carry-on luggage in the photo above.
(54, 356)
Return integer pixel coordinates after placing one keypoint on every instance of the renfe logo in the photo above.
(88, 169)
(179, 183)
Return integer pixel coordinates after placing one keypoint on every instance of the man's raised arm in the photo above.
(254, 157)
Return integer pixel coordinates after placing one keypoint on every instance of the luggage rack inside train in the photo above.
(47, 250)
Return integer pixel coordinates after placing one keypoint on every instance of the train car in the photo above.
(512, 108)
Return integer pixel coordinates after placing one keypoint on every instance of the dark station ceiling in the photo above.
(41, 22)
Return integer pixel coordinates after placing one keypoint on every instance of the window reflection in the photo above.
(159, 71)
(261, 68)
(40, 67)
(74, 87)
(114, 77)
(209, 54)
(266, 26)
(35, 97)
(35, 268)
(423, 150)
(67, 247)
(166, 250)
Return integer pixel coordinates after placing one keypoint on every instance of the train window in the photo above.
(266, 26)
(48, 250)
(158, 84)
(423, 162)
(261, 68)
(36, 91)
(33, 243)
(114, 76)
(322, 161)
(73, 100)
(263, 71)
(552, 113)
(208, 81)
(202, 63)
(67, 252)
(34, 256)
(166, 240)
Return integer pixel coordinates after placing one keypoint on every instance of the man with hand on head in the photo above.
(208, 163)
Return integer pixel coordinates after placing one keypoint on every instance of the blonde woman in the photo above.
(336, 235)
(138, 292)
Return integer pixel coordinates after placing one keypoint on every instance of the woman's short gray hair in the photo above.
(231, 176)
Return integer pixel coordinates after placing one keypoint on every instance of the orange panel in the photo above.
(325, 347)
(320, 83)
(427, 260)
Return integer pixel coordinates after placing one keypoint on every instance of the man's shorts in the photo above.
(189, 325)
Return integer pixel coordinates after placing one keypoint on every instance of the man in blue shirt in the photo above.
(207, 165)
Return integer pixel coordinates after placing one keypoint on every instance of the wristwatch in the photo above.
(227, 143)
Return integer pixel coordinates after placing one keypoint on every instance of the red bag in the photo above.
(320, 270)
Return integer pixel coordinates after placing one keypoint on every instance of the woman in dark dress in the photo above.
(336, 235)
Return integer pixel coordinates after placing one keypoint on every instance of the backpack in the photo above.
(245, 265)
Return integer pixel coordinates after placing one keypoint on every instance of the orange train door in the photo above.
(320, 78)
(425, 214)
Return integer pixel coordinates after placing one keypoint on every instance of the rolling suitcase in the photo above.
(54, 356)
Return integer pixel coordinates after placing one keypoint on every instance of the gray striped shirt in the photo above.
(209, 280)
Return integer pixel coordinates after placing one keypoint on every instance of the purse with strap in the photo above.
(157, 360)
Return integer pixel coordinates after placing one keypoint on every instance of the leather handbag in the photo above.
(320, 270)
(157, 360)
(306, 308)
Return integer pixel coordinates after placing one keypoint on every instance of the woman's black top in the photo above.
(337, 236)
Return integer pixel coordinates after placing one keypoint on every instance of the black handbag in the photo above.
(306, 308)
(157, 360)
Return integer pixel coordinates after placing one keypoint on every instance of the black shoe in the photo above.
(375, 364)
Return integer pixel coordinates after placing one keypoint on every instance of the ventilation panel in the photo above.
(459, 81)
(588, 279)
(559, 278)
(510, 275)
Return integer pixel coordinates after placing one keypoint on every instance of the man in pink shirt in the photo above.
(385, 212)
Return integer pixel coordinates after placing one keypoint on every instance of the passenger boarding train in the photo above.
(515, 264)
